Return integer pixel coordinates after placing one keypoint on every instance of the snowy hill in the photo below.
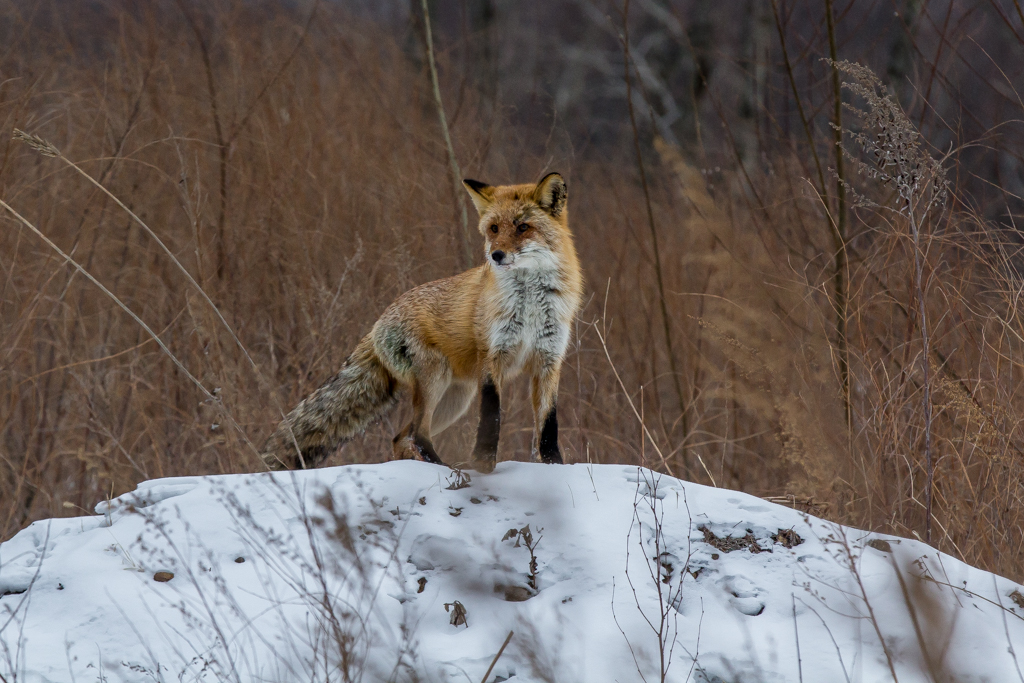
(405, 571)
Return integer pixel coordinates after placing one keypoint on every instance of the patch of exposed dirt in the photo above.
(880, 545)
(787, 538)
(727, 544)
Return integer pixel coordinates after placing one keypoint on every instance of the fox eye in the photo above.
(522, 227)
(494, 229)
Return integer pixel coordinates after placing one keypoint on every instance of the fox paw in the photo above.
(484, 463)
(404, 449)
(411, 448)
(548, 456)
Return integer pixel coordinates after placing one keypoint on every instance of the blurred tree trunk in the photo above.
(670, 65)
(900, 67)
(756, 43)
(483, 26)
(701, 36)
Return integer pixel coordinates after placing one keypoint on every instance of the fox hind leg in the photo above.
(453, 405)
(408, 445)
(413, 442)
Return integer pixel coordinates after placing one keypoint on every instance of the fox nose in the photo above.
(498, 256)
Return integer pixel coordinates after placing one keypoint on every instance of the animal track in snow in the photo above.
(743, 595)
(148, 493)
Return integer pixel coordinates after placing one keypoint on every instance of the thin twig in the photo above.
(867, 603)
(824, 624)
(632, 407)
(922, 640)
(453, 164)
(1006, 630)
(796, 633)
(497, 657)
(926, 370)
(799, 102)
(839, 277)
(615, 618)
(222, 143)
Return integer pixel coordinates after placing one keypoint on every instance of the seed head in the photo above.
(37, 143)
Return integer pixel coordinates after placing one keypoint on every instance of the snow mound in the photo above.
(405, 571)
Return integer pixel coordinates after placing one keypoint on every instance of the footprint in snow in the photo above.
(743, 595)
(146, 495)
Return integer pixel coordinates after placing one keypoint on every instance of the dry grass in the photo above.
(336, 197)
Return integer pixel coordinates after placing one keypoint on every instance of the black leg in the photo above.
(426, 449)
(486, 450)
(549, 452)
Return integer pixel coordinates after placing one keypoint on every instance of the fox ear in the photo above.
(482, 194)
(551, 194)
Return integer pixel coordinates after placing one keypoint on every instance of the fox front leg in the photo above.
(485, 453)
(544, 391)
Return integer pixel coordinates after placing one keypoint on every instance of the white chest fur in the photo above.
(533, 318)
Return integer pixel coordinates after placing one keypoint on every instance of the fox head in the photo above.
(524, 226)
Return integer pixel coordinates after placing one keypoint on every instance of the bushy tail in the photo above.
(362, 391)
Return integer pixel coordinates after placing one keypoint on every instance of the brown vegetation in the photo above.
(295, 168)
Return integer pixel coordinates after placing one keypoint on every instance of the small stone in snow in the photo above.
(517, 593)
(163, 577)
(880, 545)
(787, 538)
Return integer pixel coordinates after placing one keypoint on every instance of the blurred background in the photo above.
(767, 311)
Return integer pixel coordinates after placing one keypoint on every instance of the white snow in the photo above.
(330, 585)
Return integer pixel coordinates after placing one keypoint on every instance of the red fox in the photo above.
(445, 340)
